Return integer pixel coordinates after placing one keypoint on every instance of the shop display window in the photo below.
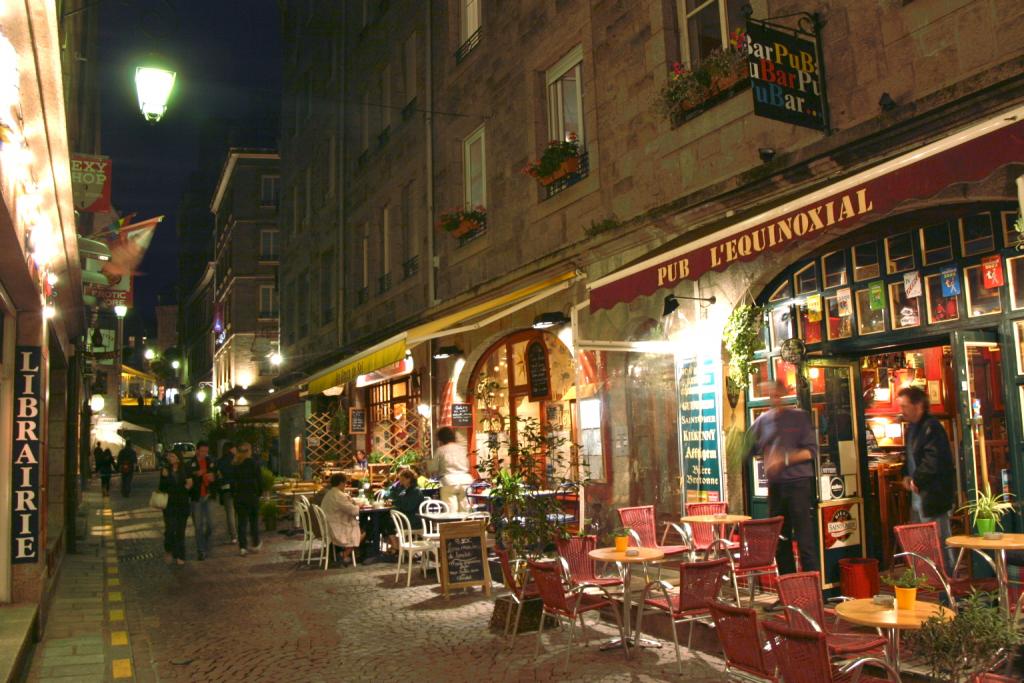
(936, 245)
(869, 320)
(980, 299)
(758, 376)
(839, 326)
(806, 279)
(899, 253)
(976, 236)
(591, 444)
(1015, 266)
(865, 262)
(810, 332)
(833, 268)
(785, 373)
(784, 291)
(941, 308)
(1010, 236)
(906, 311)
(782, 325)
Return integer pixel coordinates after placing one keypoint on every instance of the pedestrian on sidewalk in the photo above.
(127, 460)
(224, 487)
(175, 482)
(104, 466)
(246, 487)
(202, 471)
(451, 465)
(342, 514)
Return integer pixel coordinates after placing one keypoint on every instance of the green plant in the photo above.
(266, 480)
(407, 459)
(555, 154)
(742, 337)
(1018, 227)
(452, 219)
(375, 457)
(908, 579)
(268, 513)
(989, 506)
(621, 531)
(970, 643)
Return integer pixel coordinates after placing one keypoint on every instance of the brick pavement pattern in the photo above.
(267, 617)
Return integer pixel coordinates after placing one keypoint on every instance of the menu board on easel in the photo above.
(356, 420)
(463, 556)
(537, 371)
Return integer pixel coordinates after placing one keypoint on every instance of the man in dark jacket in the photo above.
(930, 473)
(105, 466)
(224, 487)
(126, 462)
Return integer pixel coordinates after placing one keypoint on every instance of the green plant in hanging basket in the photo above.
(741, 338)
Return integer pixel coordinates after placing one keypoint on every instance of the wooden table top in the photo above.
(1007, 542)
(445, 516)
(713, 519)
(864, 612)
(611, 555)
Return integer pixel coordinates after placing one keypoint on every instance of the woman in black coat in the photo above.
(246, 487)
(175, 482)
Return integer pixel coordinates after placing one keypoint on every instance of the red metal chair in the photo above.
(518, 592)
(802, 657)
(800, 594)
(703, 535)
(699, 583)
(756, 553)
(923, 552)
(571, 604)
(643, 531)
(575, 550)
(746, 656)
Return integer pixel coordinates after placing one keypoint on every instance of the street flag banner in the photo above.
(814, 308)
(876, 295)
(950, 282)
(128, 247)
(992, 271)
(90, 182)
(912, 284)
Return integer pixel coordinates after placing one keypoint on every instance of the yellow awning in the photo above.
(387, 352)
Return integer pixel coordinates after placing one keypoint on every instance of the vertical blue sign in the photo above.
(698, 383)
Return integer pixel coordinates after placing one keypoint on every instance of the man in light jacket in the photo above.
(451, 465)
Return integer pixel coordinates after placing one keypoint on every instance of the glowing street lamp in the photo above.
(96, 402)
(120, 310)
(175, 364)
(275, 358)
(154, 86)
(201, 395)
(150, 354)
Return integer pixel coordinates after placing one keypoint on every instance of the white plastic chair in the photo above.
(408, 548)
(302, 513)
(430, 529)
(325, 535)
(381, 495)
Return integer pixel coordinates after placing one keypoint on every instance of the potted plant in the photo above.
(621, 536)
(460, 222)
(969, 644)
(560, 158)
(905, 585)
(741, 338)
(268, 513)
(987, 510)
(685, 91)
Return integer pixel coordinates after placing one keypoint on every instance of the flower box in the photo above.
(466, 226)
(560, 158)
(568, 167)
(461, 222)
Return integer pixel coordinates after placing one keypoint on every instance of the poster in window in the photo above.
(992, 270)
(912, 284)
(950, 282)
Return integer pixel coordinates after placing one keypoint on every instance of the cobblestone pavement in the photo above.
(266, 618)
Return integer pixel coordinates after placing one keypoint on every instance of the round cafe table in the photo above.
(864, 612)
(717, 521)
(998, 546)
(644, 555)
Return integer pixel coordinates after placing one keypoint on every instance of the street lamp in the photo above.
(175, 363)
(150, 354)
(275, 358)
(120, 310)
(201, 395)
(153, 85)
(96, 402)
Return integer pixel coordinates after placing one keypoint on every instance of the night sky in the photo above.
(227, 54)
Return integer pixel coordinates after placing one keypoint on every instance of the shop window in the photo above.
(865, 262)
(1018, 337)
(783, 292)
(899, 253)
(806, 279)
(906, 310)
(833, 268)
(941, 308)
(782, 325)
(870, 320)
(976, 236)
(758, 376)
(980, 299)
(785, 373)
(1011, 237)
(1016, 267)
(936, 245)
(591, 446)
(810, 331)
(840, 318)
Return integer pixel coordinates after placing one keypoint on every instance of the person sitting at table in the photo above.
(342, 515)
(406, 499)
(362, 464)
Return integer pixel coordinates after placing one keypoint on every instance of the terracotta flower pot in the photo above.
(621, 543)
(466, 226)
(905, 598)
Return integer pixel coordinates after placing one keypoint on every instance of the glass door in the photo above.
(985, 461)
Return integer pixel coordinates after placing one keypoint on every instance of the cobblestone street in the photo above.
(266, 617)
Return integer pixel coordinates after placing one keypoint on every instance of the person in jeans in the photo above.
(126, 462)
(246, 487)
(451, 464)
(784, 436)
(175, 482)
(203, 473)
(224, 487)
(930, 473)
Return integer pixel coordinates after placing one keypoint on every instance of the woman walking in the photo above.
(342, 515)
(451, 465)
(175, 482)
(246, 487)
(105, 467)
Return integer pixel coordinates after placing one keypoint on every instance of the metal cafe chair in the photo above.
(739, 633)
(802, 657)
(581, 568)
(520, 588)
(642, 525)
(756, 553)
(703, 535)
(923, 550)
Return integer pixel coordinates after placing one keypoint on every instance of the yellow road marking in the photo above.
(118, 638)
(115, 596)
(113, 582)
(122, 668)
(116, 615)
(112, 570)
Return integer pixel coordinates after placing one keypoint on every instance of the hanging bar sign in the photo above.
(25, 472)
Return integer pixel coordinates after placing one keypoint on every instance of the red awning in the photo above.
(271, 405)
(968, 156)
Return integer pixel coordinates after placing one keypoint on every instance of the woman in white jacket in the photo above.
(452, 468)
(342, 518)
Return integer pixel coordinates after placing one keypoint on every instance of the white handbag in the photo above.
(158, 500)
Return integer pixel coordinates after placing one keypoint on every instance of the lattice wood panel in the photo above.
(394, 438)
(324, 443)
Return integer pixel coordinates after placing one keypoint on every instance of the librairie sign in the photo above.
(785, 75)
(25, 472)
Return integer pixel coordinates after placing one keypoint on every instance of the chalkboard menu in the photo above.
(356, 420)
(463, 548)
(462, 415)
(537, 371)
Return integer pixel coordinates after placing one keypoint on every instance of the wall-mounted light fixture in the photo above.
(447, 352)
(672, 302)
(550, 319)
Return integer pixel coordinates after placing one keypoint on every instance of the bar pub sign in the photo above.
(25, 472)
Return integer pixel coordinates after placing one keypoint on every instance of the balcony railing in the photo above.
(362, 295)
(470, 236)
(410, 267)
(467, 47)
(384, 283)
(565, 182)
